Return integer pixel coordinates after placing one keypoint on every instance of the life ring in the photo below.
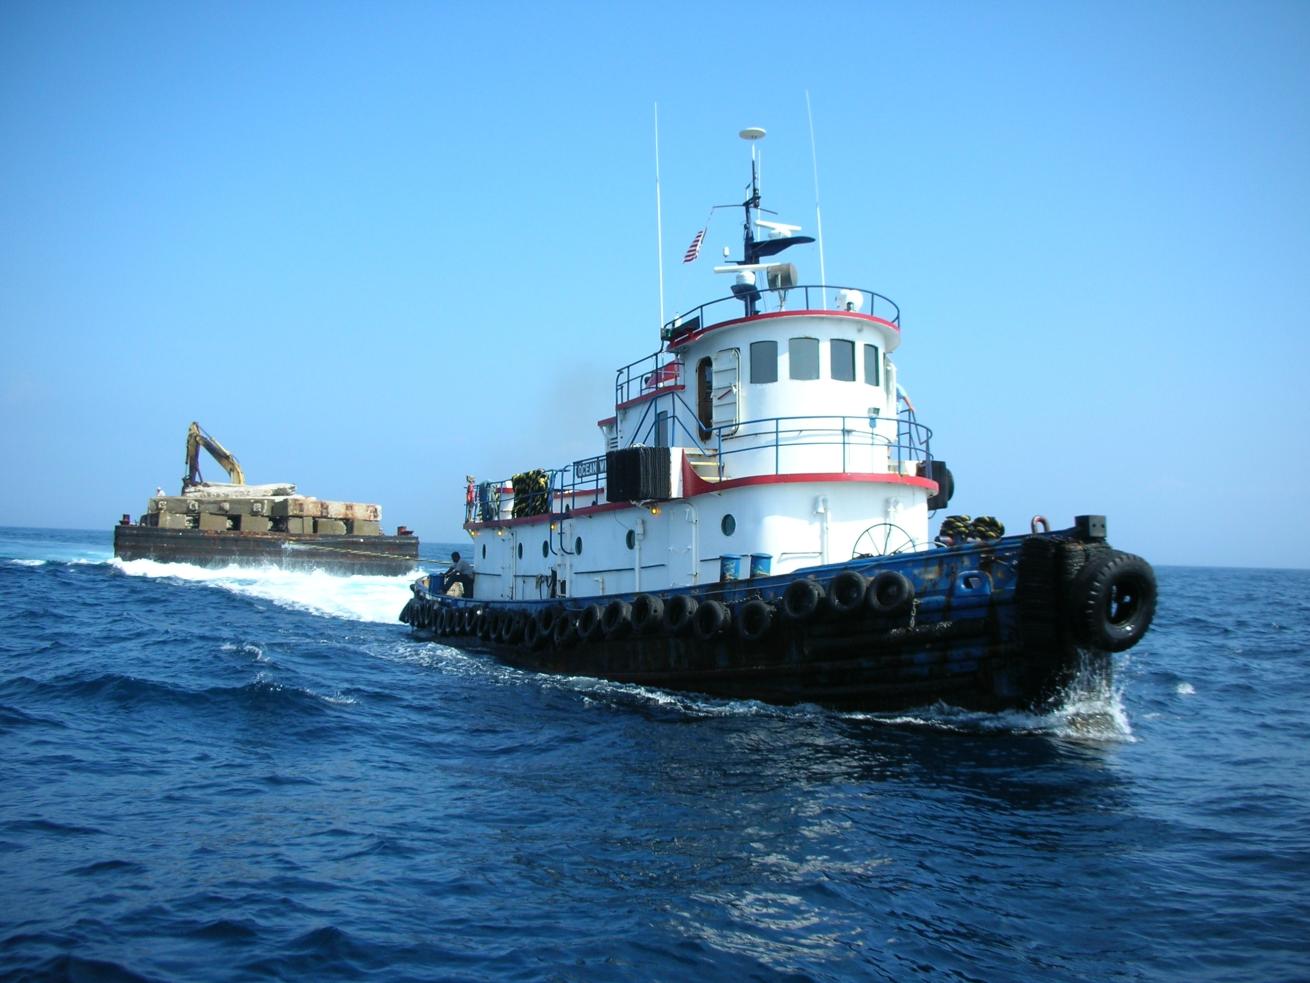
(647, 613)
(589, 623)
(711, 618)
(617, 619)
(679, 613)
(754, 619)
(1113, 599)
(846, 592)
(890, 593)
(566, 630)
(801, 599)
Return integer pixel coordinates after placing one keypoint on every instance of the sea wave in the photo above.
(373, 599)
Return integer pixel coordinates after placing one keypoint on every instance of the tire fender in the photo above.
(711, 618)
(800, 601)
(890, 593)
(1113, 600)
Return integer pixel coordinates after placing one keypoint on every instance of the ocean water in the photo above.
(231, 775)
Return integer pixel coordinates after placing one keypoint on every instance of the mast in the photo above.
(752, 203)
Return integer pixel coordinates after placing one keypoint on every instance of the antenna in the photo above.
(659, 215)
(818, 215)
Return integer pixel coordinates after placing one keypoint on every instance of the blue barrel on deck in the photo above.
(761, 564)
(729, 567)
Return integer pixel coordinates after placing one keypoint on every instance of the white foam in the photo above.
(1185, 689)
(28, 563)
(353, 598)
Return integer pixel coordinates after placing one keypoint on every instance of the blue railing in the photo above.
(845, 433)
(648, 375)
(806, 298)
(582, 483)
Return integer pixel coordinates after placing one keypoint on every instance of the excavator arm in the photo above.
(196, 438)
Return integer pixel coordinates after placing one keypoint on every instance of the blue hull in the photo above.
(988, 626)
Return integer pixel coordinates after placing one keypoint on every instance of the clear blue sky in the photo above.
(372, 247)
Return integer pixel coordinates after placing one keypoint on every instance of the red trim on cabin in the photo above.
(607, 421)
(693, 484)
(658, 391)
(687, 339)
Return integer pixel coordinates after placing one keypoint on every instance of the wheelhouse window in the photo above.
(872, 365)
(764, 361)
(843, 360)
(803, 356)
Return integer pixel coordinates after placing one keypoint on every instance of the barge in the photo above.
(215, 524)
(762, 523)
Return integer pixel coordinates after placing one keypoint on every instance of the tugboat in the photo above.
(758, 526)
(219, 523)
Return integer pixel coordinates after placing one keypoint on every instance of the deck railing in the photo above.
(790, 439)
(800, 298)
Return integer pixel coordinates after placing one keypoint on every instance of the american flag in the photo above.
(694, 249)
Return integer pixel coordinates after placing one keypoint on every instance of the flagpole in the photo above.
(659, 215)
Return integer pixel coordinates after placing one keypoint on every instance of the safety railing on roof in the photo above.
(800, 298)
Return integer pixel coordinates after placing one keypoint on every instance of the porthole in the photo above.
(545, 547)
(632, 539)
(577, 546)
(484, 551)
(520, 551)
(728, 525)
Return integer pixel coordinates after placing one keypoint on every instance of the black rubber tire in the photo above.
(754, 620)
(532, 637)
(468, 622)
(890, 593)
(1113, 600)
(545, 618)
(801, 599)
(679, 613)
(710, 620)
(846, 592)
(589, 623)
(565, 632)
(647, 613)
(617, 619)
(511, 629)
(407, 611)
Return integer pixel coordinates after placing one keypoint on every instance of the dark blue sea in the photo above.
(255, 774)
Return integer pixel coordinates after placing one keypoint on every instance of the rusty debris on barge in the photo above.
(215, 524)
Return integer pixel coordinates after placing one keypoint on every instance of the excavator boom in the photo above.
(196, 438)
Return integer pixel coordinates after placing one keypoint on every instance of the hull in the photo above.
(372, 555)
(1004, 625)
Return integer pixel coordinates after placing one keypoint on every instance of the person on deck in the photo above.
(458, 580)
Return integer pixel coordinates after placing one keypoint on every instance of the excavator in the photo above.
(196, 438)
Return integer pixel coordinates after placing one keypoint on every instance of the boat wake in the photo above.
(352, 598)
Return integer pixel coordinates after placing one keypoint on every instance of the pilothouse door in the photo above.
(726, 390)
